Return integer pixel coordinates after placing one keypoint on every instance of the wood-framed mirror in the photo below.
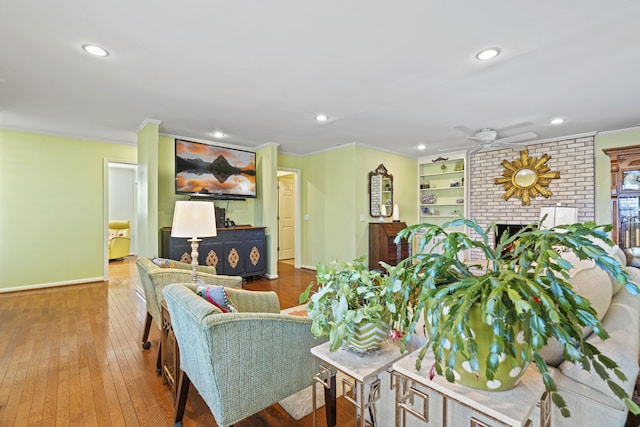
(526, 177)
(380, 192)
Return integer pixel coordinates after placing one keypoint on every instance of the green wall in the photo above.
(334, 193)
(620, 138)
(147, 207)
(52, 214)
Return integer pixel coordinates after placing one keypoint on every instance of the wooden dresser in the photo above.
(235, 251)
(381, 246)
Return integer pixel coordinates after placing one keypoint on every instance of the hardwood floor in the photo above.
(71, 356)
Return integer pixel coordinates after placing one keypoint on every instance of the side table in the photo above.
(362, 368)
(440, 402)
(169, 351)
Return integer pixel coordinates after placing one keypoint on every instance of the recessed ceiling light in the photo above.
(557, 121)
(422, 147)
(488, 53)
(94, 50)
(322, 117)
(218, 134)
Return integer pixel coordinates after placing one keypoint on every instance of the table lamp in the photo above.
(194, 219)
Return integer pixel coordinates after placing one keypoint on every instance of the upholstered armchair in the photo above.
(119, 239)
(242, 362)
(154, 278)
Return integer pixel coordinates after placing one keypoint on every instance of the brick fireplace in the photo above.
(574, 158)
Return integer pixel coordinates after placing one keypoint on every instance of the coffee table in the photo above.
(440, 402)
(362, 368)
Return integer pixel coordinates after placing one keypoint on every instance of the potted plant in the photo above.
(521, 292)
(352, 305)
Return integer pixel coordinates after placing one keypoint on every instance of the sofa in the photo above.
(154, 278)
(240, 362)
(589, 399)
(119, 239)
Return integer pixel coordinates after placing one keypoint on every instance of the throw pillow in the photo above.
(217, 296)
(163, 263)
(590, 282)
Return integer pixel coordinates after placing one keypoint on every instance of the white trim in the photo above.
(271, 276)
(308, 267)
(359, 144)
(148, 121)
(297, 230)
(620, 130)
(267, 144)
(53, 284)
(105, 205)
(71, 135)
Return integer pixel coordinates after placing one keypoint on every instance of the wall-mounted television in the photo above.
(212, 171)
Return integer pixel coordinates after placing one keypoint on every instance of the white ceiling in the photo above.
(390, 74)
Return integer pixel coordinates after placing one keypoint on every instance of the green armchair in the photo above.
(243, 362)
(154, 278)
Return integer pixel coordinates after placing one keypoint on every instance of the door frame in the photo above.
(105, 212)
(296, 212)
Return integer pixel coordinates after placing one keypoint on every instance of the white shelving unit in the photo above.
(442, 190)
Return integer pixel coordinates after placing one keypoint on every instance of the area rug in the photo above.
(299, 405)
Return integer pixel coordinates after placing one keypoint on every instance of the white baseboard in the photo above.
(308, 267)
(52, 284)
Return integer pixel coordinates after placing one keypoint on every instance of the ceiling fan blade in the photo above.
(514, 126)
(449, 150)
(473, 138)
(463, 129)
(514, 139)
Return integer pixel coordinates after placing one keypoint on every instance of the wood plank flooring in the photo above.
(71, 356)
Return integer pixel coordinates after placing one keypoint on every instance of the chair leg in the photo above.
(181, 402)
(159, 359)
(145, 334)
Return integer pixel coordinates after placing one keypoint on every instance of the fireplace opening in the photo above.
(510, 229)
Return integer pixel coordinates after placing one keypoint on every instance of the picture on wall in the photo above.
(214, 171)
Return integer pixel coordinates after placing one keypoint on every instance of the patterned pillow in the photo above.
(217, 296)
(163, 263)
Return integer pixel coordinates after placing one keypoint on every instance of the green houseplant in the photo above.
(525, 288)
(350, 298)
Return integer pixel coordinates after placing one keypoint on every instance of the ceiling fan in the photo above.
(487, 139)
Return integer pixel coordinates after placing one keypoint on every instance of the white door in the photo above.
(286, 217)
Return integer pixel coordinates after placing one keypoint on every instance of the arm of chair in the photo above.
(254, 301)
(120, 244)
(221, 280)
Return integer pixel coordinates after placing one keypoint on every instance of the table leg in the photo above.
(330, 402)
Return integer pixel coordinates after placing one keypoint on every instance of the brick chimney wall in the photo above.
(574, 158)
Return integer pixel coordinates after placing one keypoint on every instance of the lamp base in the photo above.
(194, 258)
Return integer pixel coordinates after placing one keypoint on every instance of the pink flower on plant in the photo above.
(432, 371)
(395, 334)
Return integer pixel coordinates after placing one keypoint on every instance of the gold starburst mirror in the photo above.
(526, 177)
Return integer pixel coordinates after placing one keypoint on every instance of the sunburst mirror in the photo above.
(526, 177)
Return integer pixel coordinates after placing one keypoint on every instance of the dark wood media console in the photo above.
(235, 251)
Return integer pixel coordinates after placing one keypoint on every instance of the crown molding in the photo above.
(148, 121)
(73, 135)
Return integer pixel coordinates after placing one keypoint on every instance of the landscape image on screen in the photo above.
(213, 170)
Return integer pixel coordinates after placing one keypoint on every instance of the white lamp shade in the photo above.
(192, 219)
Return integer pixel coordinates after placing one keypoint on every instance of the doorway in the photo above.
(120, 195)
(288, 217)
